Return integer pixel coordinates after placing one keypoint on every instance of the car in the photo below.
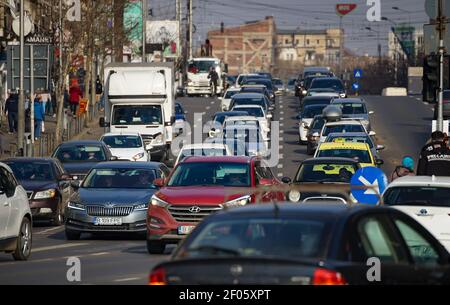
(306, 244)
(204, 149)
(424, 198)
(306, 117)
(326, 171)
(219, 118)
(180, 118)
(343, 126)
(236, 146)
(290, 86)
(313, 134)
(199, 186)
(258, 112)
(310, 71)
(323, 92)
(265, 75)
(332, 83)
(114, 197)
(252, 99)
(359, 151)
(445, 106)
(78, 157)
(226, 98)
(127, 146)
(278, 83)
(231, 80)
(241, 77)
(244, 122)
(307, 83)
(47, 186)
(265, 82)
(255, 89)
(354, 108)
(356, 137)
(251, 134)
(315, 100)
(16, 220)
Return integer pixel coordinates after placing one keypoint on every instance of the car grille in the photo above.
(147, 138)
(96, 210)
(29, 194)
(182, 213)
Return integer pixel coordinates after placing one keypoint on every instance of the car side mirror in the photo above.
(159, 182)
(269, 116)
(271, 108)
(372, 133)
(113, 158)
(286, 180)
(148, 147)
(379, 162)
(380, 147)
(220, 98)
(172, 120)
(371, 112)
(316, 134)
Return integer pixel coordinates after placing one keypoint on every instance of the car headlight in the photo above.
(76, 206)
(158, 202)
(294, 196)
(45, 194)
(138, 156)
(241, 201)
(342, 95)
(304, 92)
(141, 207)
(158, 140)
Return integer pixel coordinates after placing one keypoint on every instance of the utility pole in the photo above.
(441, 19)
(341, 45)
(144, 27)
(190, 29)
(21, 108)
(113, 54)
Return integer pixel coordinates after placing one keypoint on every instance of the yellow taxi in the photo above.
(358, 151)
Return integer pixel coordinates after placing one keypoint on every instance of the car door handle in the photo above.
(6, 204)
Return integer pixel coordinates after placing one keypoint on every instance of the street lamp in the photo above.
(378, 41)
(396, 52)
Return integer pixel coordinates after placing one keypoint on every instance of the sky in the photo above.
(302, 14)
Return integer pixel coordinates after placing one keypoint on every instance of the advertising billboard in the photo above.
(165, 33)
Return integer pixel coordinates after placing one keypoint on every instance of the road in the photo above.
(402, 124)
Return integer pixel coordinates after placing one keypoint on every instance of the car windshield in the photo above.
(232, 123)
(123, 178)
(291, 82)
(230, 93)
(261, 237)
(312, 111)
(261, 81)
(342, 128)
(326, 172)
(220, 118)
(317, 124)
(316, 73)
(309, 80)
(80, 153)
(252, 90)
(247, 133)
(277, 82)
(211, 174)
(352, 108)
(248, 101)
(362, 156)
(252, 111)
(201, 66)
(202, 152)
(350, 139)
(33, 171)
(323, 83)
(137, 115)
(122, 141)
(309, 102)
(418, 196)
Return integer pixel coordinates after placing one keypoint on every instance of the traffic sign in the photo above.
(367, 185)
(357, 73)
(355, 86)
(343, 9)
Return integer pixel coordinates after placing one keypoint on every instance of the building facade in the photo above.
(413, 39)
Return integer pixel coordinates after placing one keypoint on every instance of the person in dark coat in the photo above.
(213, 77)
(12, 109)
(435, 157)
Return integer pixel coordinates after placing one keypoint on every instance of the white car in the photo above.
(226, 98)
(15, 216)
(305, 119)
(203, 149)
(258, 112)
(250, 121)
(343, 126)
(426, 199)
(127, 146)
(250, 135)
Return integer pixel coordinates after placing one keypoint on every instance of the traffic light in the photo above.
(430, 77)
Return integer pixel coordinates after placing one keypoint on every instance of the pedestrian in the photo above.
(39, 116)
(435, 157)
(46, 101)
(54, 105)
(12, 109)
(406, 169)
(213, 77)
(74, 96)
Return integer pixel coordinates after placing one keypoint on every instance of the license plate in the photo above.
(183, 230)
(108, 221)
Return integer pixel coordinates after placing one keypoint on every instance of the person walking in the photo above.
(406, 169)
(434, 157)
(39, 116)
(213, 77)
(12, 109)
(74, 96)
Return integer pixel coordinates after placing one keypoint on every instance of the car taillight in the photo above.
(328, 277)
(157, 277)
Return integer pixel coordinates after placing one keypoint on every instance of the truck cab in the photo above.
(198, 82)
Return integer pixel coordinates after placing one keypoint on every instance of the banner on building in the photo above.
(164, 32)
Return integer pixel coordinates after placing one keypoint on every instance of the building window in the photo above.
(307, 41)
(286, 41)
(297, 41)
(318, 41)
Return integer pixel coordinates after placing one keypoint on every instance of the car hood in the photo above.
(114, 196)
(198, 194)
(79, 167)
(357, 116)
(29, 185)
(126, 153)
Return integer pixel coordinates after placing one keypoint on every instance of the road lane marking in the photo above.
(47, 230)
(281, 146)
(280, 166)
(280, 174)
(208, 107)
(57, 247)
(99, 253)
(127, 279)
(281, 124)
(212, 103)
(281, 106)
(281, 112)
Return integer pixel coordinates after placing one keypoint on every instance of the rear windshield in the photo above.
(320, 83)
(342, 128)
(362, 156)
(418, 196)
(311, 112)
(352, 108)
(229, 94)
(326, 172)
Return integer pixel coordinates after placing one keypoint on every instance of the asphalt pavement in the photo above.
(403, 124)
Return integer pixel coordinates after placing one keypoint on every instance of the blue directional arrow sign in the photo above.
(367, 185)
(358, 73)
(355, 86)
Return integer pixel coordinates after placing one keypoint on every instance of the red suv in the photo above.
(199, 186)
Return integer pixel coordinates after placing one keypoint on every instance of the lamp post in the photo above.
(396, 51)
(378, 41)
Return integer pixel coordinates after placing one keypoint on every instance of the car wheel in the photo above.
(72, 235)
(155, 247)
(24, 241)
(58, 219)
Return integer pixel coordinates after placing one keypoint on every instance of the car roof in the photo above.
(203, 145)
(247, 106)
(121, 134)
(229, 112)
(248, 95)
(314, 106)
(233, 89)
(347, 101)
(223, 159)
(329, 78)
(81, 142)
(241, 118)
(345, 145)
(420, 181)
(320, 160)
(344, 122)
(318, 97)
(30, 159)
(348, 134)
(127, 164)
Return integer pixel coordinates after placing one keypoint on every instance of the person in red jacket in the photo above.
(74, 96)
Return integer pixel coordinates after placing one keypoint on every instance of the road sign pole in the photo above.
(441, 28)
